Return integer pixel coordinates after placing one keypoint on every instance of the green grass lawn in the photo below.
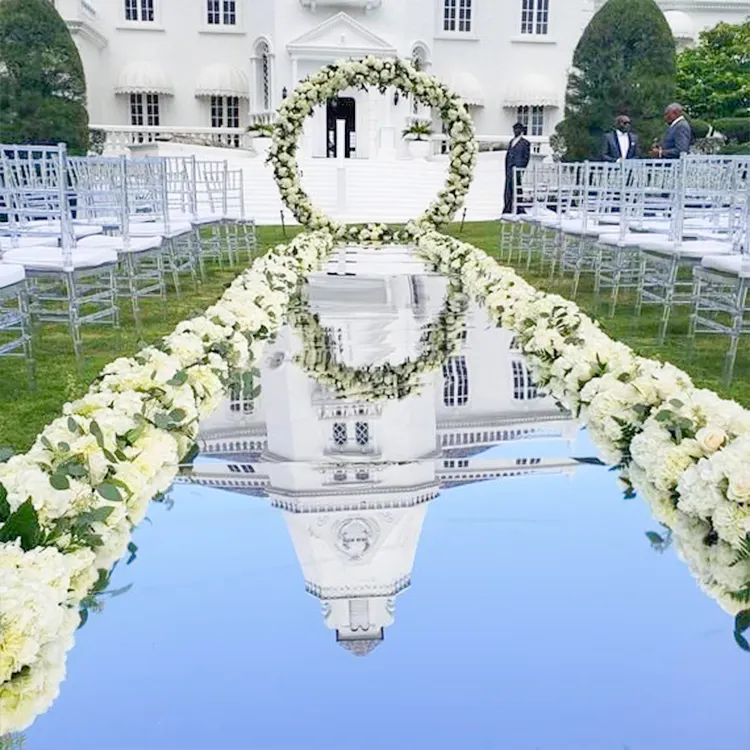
(24, 412)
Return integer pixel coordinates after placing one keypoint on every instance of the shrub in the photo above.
(713, 79)
(734, 128)
(700, 129)
(42, 85)
(735, 149)
(624, 63)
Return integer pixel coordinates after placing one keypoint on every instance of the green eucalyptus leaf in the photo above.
(6, 454)
(4, 505)
(162, 421)
(177, 415)
(654, 538)
(59, 481)
(73, 425)
(96, 431)
(179, 378)
(109, 492)
(63, 446)
(97, 515)
(46, 443)
(23, 524)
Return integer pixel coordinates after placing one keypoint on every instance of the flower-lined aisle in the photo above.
(685, 450)
(69, 505)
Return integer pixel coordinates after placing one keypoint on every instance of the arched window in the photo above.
(263, 77)
(455, 382)
(420, 59)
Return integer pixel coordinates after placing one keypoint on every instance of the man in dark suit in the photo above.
(518, 155)
(620, 143)
(678, 136)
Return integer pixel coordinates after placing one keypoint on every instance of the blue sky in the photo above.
(538, 617)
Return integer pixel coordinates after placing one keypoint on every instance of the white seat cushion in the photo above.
(136, 245)
(631, 239)
(11, 273)
(51, 258)
(80, 229)
(153, 228)
(6, 243)
(729, 264)
(200, 218)
(690, 249)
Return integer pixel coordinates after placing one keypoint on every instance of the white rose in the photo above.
(710, 439)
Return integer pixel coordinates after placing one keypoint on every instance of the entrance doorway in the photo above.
(341, 108)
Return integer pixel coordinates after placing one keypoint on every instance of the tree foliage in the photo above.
(623, 64)
(42, 84)
(713, 78)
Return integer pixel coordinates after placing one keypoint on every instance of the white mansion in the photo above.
(355, 479)
(216, 64)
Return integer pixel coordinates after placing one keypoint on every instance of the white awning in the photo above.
(467, 87)
(533, 89)
(143, 78)
(221, 79)
(681, 24)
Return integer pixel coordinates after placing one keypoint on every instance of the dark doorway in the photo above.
(341, 108)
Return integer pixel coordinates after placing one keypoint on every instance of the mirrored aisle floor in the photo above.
(449, 570)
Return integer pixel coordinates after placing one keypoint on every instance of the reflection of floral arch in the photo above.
(440, 340)
(361, 74)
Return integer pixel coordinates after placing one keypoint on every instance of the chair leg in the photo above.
(669, 293)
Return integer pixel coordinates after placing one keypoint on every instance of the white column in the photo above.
(340, 168)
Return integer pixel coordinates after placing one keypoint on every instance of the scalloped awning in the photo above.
(221, 79)
(143, 78)
(533, 89)
(467, 87)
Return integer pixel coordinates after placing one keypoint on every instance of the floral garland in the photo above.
(361, 74)
(441, 340)
(68, 506)
(686, 450)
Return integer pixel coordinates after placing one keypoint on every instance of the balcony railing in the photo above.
(118, 138)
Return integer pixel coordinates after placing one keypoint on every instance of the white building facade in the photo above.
(219, 65)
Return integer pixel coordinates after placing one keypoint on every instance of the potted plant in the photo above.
(261, 133)
(417, 135)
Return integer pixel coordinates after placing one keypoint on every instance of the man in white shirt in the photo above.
(621, 143)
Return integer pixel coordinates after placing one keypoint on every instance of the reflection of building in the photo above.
(353, 479)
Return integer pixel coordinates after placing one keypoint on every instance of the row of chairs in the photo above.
(79, 234)
(673, 232)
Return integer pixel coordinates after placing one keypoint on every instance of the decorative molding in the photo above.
(358, 592)
(88, 32)
(319, 44)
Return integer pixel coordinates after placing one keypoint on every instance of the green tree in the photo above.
(623, 64)
(42, 85)
(713, 79)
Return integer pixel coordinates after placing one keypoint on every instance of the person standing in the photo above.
(620, 143)
(518, 155)
(678, 136)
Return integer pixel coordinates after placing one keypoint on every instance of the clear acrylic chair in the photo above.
(705, 190)
(101, 186)
(67, 283)
(721, 292)
(15, 322)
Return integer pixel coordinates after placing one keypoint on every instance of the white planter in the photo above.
(261, 146)
(419, 149)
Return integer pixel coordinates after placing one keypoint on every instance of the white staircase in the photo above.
(389, 191)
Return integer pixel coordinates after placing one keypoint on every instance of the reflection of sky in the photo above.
(538, 617)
